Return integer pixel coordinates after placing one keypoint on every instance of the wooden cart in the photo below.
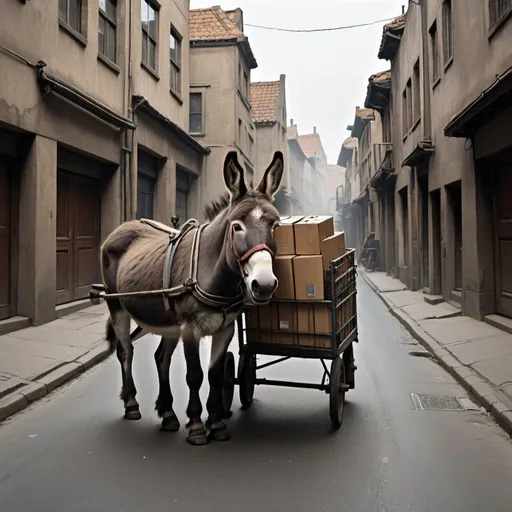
(266, 337)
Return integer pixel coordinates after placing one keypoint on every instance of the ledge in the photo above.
(176, 96)
(73, 33)
(152, 72)
(107, 62)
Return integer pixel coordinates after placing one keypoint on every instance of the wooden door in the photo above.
(5, 244)
(503, 188)
(145, 196)
(78, 219)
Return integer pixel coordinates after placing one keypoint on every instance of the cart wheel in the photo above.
(350, 367)
(228, 387)
(337, 392)
(246, 378)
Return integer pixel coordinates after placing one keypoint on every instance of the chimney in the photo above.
(403, 9)
(291, 122)
(314, 129)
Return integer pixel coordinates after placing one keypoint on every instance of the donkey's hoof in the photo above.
(170, 424)
(197, 436)
(218, 431)
(132, 413)
(226, 415)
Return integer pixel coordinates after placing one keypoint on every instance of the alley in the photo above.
(73, 452)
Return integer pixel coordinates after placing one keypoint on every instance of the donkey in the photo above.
(221, 265)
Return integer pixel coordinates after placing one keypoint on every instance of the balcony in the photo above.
(383, 167)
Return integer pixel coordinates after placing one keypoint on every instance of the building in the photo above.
(268, 107)
(221, 60)
(307, 182)
(89, 137)
(449, 163)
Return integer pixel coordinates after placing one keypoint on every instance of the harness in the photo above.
(192, 285)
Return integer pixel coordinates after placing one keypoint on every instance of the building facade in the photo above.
(221, 60)
(89, 137)
(445, 108)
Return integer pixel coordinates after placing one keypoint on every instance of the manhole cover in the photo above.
(436, 403)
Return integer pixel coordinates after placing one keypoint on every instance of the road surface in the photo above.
(73, 452)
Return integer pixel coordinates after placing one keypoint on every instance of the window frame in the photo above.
(80, 29)
(447, 18)
(416, 93)
(497, 18)
(176, 64)
(112, 22)
(434, 53)
(145, 34)
(201, 113)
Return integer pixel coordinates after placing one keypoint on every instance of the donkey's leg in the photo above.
(196, 432)
(121, 325)
(164, 401)
(220, 343)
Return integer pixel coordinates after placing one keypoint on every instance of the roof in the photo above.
(311, 144)
(213, 24)
(347, 147)
(379, 88)
(265, 101)
(363, 115)
(391, 35)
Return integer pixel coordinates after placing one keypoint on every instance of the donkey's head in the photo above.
(251, 222)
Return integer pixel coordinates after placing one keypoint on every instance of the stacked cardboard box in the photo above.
(305, 247)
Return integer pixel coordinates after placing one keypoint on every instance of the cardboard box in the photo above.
(310, 231)
(332, 248)
(285, 324)
(309, 277)
(283, 270)
(284, 236)
(257, 320)
(316, 318)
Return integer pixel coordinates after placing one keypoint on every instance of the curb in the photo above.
(32, 392)
(470, 380)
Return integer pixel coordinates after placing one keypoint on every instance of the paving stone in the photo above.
(497, 370)
(25, 367)
(404, 298)
(46, 334)
(480, 349)
(424, 310)
(94, 356)
(48, 350)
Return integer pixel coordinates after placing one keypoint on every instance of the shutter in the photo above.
(493, 12)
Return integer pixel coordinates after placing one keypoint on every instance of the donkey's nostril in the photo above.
(255, 287)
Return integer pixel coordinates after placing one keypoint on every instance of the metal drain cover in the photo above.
(436, 403)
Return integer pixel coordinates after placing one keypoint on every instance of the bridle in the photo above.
(242, 259)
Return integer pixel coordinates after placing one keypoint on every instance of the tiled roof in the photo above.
(213, 24)
(397, 24)
(308, 143)
(265, 101)
(380, 78)
(364, 112)
(350, 143)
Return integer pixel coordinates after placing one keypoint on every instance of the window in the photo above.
(183, 184)
(405, 128)
(447, 31)
(149, 33)
(70, 12)
(434, 50)
(240, 132)
(251, 147)
(498, 11)
(246, 84)
(196, 112)
(409, 104)
(417, 89)
(107, 29)
(175, 45)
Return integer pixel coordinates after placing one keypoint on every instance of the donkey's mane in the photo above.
(216, 206)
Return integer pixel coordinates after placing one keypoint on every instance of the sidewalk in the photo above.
(36, 360)
(477, 354)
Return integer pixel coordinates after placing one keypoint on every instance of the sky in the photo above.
(326, 72)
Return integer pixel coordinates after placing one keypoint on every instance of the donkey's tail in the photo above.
(111, 336)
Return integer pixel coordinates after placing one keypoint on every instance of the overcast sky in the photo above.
(326, 73)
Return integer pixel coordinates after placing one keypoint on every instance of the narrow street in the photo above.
(73, 452)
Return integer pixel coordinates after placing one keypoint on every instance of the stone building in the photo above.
(94, 122)
(449, 165)
(221, 60)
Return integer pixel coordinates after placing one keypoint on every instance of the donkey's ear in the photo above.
(271, 180)
(234, 176)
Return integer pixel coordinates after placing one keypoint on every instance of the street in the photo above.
(73, 452)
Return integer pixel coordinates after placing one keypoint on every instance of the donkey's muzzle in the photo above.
(263, 290)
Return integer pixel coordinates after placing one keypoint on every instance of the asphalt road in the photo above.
(73, 452)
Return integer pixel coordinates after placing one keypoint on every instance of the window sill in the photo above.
(499, 23)
(201, 134)
(152, 72)
(107, 62)
(449, 62)
(73, 33)
(244, 99)
(435, 83)
(176, 96)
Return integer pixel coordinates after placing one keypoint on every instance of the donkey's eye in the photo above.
(237, 227)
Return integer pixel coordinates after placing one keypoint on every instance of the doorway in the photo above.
(454, 241)
(78, 235)
(435, 208)
(424, 234)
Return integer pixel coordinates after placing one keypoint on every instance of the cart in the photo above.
(334, 344)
